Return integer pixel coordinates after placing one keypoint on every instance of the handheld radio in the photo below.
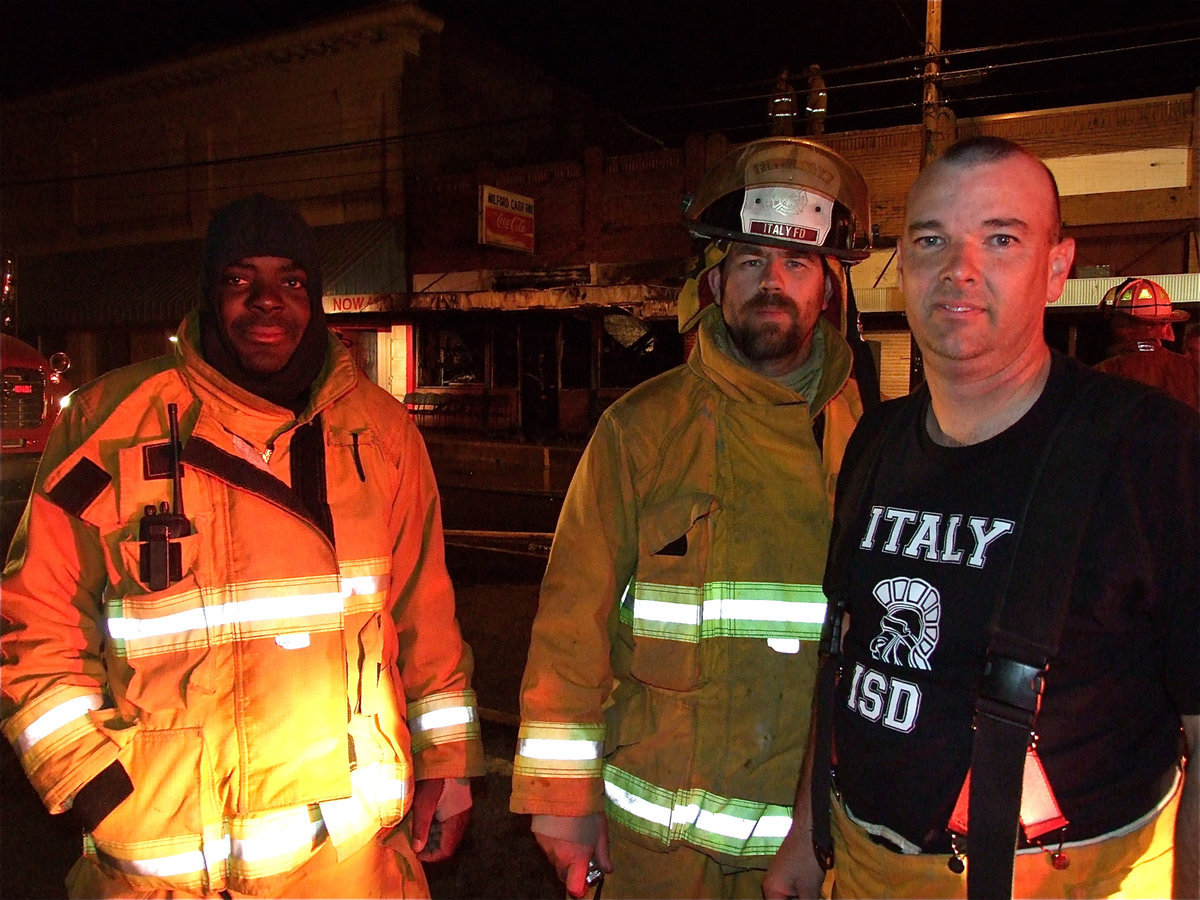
(160, 559)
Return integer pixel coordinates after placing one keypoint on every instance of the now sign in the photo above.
(505, 219)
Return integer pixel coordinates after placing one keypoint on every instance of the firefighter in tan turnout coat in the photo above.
(665, 703)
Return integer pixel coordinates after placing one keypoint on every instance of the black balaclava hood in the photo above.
(262, 226)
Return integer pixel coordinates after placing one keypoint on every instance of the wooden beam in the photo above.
(1161, 204)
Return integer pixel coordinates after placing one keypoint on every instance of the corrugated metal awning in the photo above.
(152, 284)
(156, 284)
(362, 257)
(647, 301)
(651, 301)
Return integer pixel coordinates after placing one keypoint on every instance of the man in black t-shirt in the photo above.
(921, 560)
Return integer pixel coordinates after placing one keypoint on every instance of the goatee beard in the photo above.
(766, 341)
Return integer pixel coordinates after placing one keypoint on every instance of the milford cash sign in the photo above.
(505, 219)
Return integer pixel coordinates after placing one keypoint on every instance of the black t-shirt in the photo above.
(932, 544)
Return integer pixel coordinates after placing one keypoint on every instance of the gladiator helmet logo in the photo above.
(909, 629)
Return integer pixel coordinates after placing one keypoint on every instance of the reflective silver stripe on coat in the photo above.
(52, 720)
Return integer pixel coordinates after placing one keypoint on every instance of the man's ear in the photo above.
(828, 289)
(713, 278)
(1062, 257)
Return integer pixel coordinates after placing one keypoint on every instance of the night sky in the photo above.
(677, 67)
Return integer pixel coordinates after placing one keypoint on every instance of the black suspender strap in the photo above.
(822, 763)
(1028, 622)
(852, 491)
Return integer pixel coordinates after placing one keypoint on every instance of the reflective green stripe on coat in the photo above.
(725, 609)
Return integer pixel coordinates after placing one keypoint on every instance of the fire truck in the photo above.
(33, 392)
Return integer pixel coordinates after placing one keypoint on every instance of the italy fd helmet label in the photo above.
(787, 214)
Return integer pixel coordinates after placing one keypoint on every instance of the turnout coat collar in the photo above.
(738, 383)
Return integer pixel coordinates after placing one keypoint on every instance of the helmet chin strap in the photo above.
(865, 372)
(843, 313)
(836, 281)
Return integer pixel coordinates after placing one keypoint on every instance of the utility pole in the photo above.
(939, 131)
(939, 123)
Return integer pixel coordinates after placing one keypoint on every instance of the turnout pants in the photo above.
(1135, 861)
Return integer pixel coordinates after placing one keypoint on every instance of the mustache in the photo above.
(764, 300)
(253, 318)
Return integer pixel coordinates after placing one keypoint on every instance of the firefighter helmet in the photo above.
(785, 192)
(1143, 299)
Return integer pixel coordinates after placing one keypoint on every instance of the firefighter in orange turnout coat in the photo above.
(257, 688)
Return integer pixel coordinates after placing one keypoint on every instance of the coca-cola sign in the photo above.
(505, 219)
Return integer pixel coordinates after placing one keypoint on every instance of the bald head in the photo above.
(987, 149)
(980, 257)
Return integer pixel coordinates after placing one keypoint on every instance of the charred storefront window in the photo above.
(633, 349)
(539, 373)
(452, 351)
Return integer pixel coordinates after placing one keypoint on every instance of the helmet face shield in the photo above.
(784, 192)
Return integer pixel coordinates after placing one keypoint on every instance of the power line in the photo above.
(706, 105)
(917, 76)
(761, 90)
